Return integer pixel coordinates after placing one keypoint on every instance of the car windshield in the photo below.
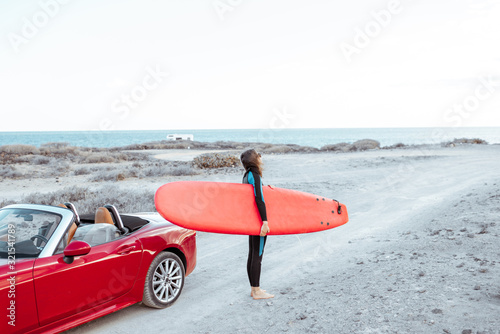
(24, 232)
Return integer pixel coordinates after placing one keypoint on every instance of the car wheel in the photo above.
(164, 281)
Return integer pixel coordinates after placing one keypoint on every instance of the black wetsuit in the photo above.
(256, 242)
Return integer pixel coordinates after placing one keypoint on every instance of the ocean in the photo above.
(304, 137)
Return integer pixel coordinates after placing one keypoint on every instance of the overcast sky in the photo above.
(202, 64)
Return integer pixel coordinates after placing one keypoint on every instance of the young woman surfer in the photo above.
(252, 162)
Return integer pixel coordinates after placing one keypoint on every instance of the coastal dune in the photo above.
(419, 255)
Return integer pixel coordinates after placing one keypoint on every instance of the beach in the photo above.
(419, 254)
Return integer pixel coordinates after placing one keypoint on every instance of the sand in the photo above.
(420, 254)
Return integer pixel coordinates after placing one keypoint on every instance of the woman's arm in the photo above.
(255, 180)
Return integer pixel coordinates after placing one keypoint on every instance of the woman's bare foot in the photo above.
(251, 292)
(258, 293)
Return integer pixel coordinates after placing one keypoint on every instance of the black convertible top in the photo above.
(130, 222)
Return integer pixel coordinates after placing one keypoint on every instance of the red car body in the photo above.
(47, 294)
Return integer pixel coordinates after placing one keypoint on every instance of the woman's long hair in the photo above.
(250, 159)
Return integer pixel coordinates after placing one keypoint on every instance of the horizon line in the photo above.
(277, 129)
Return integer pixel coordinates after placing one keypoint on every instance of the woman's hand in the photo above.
(264, 230)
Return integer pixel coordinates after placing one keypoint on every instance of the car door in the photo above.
(17, 300)
(108, 271)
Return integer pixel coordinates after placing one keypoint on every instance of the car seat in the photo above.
(103, 230)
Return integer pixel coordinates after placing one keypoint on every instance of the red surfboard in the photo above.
(230, 208)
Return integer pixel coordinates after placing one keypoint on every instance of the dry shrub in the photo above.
(22, 159)
(279, 149)
(59, 165)
(462, 141)
(109, 176)
(225, 144)
(360, 145)
(55, 145)
(288, 148)
(163, 145)
(88, 200)
(6, 202)
(221, 145)
(340, 147)
(159, 169)
(308, 149)
(179, 144)
(144, 146)
(94, 158)
(10, 172)
(64, 151)
(398, 145)
(156, 170)
(19, 149)
(134, 173)
(40, 160)
(216, 160)
(479, 141)
(60, 149)
(73, 194)
(366, 144)
(183, 170)
(261, 147)
(149, 171)
(120, 157)
(82, 171)
(105, 155)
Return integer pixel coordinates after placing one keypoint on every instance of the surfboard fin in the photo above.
(339, 207)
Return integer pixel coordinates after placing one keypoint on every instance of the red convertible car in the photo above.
(59, 270)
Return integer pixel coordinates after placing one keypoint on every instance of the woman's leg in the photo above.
(254, 264)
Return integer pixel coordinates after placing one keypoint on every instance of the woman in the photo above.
(252, 162)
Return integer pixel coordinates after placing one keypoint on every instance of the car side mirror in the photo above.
(75, 248)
